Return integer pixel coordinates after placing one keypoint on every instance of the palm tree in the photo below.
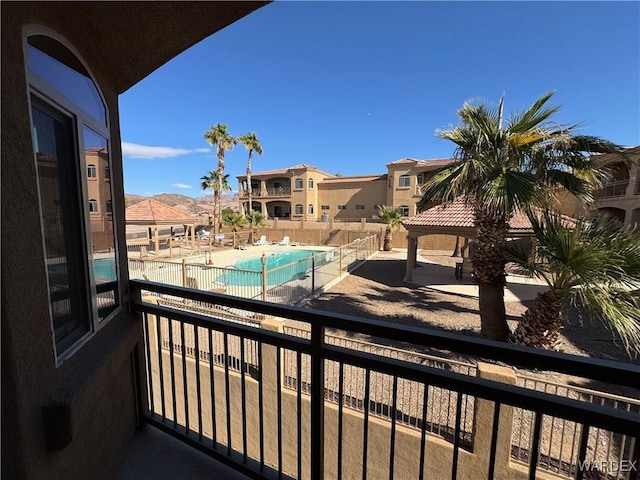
(220, 137)
(234, 221)
(594, 264)
(505, 165)
(251, 143)
(255, 220)
(211, 181)
(392, 216)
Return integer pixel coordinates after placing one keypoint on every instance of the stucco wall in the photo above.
(95, 383)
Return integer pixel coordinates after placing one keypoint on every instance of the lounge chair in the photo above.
(285, 241)
(262, 241)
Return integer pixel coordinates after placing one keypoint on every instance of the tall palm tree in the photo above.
(255, 220)
(504, 165)
(251, 143)
(392, 217)
(219, 137)
(595, 264)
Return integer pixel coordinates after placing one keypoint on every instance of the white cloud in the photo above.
(134, 150)
(181, 185)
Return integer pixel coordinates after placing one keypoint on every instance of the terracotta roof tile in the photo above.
(460, 214)
(154, 212)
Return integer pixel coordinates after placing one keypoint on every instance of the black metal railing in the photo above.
(219, 385)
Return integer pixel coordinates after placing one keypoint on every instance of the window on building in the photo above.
(342, 207)
(109, 206)
(299, 209)
(70, 135)
(325, 207)
(107, 173)
(419, 178)
(299, 183)
(359, 207)
(404, 181)
(404, 210)
(310, 183)
(310, 209)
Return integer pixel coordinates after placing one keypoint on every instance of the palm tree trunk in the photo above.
(387, 240)
(249, 190)
(219, 192)
(488, 268)
(540, 324)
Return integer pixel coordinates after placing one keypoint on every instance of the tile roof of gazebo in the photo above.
(153, 212)
(458, 217)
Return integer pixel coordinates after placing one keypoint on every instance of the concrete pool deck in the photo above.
(432, 273)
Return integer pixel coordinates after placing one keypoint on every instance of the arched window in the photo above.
(69, 117)
(310, 209)
(310, 183)
(299, 209)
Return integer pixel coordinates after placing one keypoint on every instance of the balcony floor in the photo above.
(154, 454)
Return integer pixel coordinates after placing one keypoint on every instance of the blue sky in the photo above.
(351, 86)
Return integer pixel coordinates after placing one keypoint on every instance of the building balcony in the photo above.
(312, 401)
(266, 192)
(614, 189)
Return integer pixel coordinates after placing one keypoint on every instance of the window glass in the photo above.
(310, 209)
(107, 173)
(420, 178)
(310, 183)
(404, 210)
(61, 219)
(359, 207)
(68, 78)
(298, 210)
(325, 207)
(79, 248)
(404, 181)
(342, 207)
(299, 183)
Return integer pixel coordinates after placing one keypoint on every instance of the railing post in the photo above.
(340, 250)
(483, 421)
(263, 259)
(317, 402)
(184, 272)
(313, 273)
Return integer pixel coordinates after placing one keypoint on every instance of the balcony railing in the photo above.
(269, 400)
(613, 189)
(267, 192)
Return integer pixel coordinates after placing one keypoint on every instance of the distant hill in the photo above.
(185, 203)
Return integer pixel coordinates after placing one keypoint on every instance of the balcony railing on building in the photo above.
(267, 192)
(306, 394)
(613, 189)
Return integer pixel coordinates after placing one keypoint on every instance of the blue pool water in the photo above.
(104, 269)
(298, 262)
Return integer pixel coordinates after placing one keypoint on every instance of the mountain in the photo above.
(185, 203)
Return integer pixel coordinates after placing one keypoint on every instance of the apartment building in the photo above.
(620, 195)
(305, 192)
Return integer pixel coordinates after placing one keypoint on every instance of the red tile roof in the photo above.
(153, 212)
(436, 162)
(459, 214)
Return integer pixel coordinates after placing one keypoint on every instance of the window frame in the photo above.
(91, 169)
(325, 207)
(404, 210)
(310, 183)
(299, 183)
(406, 177)
(92, 209)
(310, 209)
(298, 211)
(342, 207)
(43, 92)
(360, 207)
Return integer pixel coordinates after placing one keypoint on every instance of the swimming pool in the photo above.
(104, 270)
(298, 262)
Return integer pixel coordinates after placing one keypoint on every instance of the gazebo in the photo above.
(456, 218)
(154, 214)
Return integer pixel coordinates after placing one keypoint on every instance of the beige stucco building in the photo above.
(305, 192)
